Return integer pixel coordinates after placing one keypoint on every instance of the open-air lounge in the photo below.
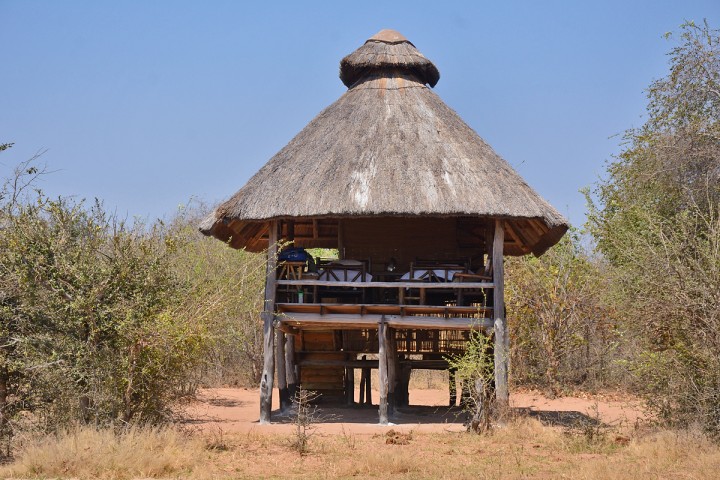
(421, 212)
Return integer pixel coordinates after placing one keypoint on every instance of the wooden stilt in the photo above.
(383, 370)
(368, 386)
(361, 398)
(350, 385)
(290, 366)
(268, 316)
(365, 387)
(280, 365)
(393, 368)
(502, 341)
(405, 373)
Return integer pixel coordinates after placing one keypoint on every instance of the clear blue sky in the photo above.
(145, 104)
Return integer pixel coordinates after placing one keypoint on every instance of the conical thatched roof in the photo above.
(388, 147)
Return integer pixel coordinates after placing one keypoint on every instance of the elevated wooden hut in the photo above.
(421, 211)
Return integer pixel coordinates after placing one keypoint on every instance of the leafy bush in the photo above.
(108, 323)
(563, 334)
(658, 223)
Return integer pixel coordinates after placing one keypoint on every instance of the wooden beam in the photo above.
(538, 226)
(268, 316)
(520, 242)
(526, 233)
(423, 364)
(285, 328)
(261, 230)
(379, 309)
(383, 370)
(305, 321)
(281, 375)
(401, 284)
(502, 345)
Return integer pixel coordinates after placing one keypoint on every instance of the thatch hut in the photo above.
(394, 180)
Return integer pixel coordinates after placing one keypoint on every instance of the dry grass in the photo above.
(523, 449)
(91, 453)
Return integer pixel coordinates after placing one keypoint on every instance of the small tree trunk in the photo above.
(4, 387)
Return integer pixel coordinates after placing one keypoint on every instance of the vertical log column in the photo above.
(393, 367)
(383, 370)
(290, 367)
(281, 373)
(268, 316)
(502, 340)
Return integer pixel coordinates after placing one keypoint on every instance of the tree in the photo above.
(657, 222)
(563, 331)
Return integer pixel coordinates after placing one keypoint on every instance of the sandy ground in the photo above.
(236, 410)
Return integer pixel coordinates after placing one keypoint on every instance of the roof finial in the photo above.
(389, 36)
(387, 52)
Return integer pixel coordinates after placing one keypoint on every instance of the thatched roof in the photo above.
(389, 146)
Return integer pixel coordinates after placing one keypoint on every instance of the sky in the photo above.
(147, 105)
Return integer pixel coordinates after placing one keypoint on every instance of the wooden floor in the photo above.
(365, 316)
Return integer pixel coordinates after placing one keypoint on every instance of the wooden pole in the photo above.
(290, 367)
(281, 375)
(405, 373)
(365, 387)
(392, 369)
(361, 397)
(368, 385)
(502, 340)
(383, 370)
(350, 385)
(268, 316)
(341, 240)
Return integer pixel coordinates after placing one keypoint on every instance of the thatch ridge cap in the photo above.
(387, 54)
(389, 36)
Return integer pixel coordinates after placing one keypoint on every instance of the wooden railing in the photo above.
(401, 284)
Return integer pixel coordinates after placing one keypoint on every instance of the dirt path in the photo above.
(235, 410)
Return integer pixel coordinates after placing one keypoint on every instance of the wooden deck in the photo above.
(302, 316)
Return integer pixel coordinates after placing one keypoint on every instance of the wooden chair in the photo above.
(340, 272)
(294, 271)
(436, 271)
(482, 294)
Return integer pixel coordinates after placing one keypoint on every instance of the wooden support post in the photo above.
(268, 316)
(405, 373)
(365, 387)
(341, 240)
(502, 340)
(393, 368)
(290, 367)
(361, 397)
(368, 385)
(350, 386)
(383, 370)
(290, 225)
(280, 365)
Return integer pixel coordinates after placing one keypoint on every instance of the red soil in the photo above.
(237, 410)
